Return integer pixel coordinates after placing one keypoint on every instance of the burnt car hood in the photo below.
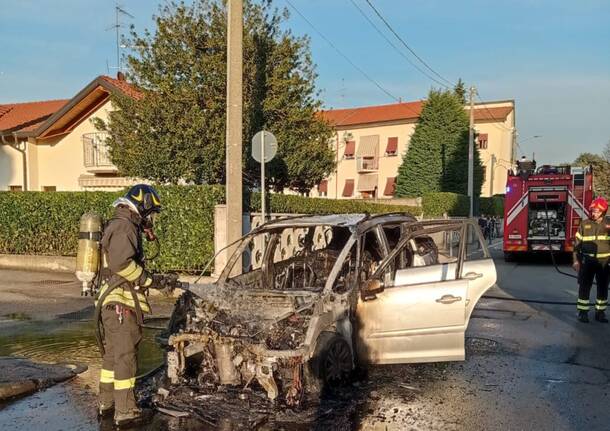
(254, 309)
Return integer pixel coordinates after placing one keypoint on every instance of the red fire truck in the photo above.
(544, 207)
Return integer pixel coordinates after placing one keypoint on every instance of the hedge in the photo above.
(293, 204)
(493, 206)
(47, 223)
(439, 203)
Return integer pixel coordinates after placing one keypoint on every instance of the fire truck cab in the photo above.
(544, 207)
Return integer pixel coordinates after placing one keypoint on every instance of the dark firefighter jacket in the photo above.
(593, 240)
(123, 255)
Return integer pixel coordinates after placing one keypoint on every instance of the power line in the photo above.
(423, 72)
(387, 24)
(362, 72)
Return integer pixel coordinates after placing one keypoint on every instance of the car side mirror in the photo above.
(370, 289)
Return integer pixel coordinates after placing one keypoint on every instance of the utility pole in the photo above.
(472, 93)
(491, 175)
(234, 123)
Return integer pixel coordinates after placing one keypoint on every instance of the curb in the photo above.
(38, 263)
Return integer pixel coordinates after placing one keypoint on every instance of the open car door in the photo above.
(422, 315)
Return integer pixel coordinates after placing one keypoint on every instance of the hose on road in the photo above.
(550, 245)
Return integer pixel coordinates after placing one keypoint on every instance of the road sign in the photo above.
(264, 143)
(264, 149)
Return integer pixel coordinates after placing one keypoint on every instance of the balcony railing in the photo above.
(365, 164)
(96, 151)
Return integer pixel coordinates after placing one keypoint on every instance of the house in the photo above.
(369, 143)
(54, 146)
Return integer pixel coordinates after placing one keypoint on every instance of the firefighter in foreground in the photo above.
(591, 255)
(121, 300)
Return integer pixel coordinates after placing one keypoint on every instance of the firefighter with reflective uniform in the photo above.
(123, 299)
(591, 255)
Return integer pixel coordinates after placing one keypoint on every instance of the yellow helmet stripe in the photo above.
(139, 197)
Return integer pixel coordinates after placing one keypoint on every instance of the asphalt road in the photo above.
(528, 366)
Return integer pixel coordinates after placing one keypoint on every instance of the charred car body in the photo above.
(303, 300)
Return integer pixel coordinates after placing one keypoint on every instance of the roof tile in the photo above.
(27, 116)
(400, 112)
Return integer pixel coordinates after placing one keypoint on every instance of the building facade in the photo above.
(370, 142)
(54, 145)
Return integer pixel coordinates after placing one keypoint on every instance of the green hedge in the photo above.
(493, 206)
(301, 205)
(438, 203)
(47, 223)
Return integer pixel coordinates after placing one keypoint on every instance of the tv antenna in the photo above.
(119, 12)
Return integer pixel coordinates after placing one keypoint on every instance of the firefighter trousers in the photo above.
(591, 268)
(119, 363)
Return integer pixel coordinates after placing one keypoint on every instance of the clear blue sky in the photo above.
(551, 56)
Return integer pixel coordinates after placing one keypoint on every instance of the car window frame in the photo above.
(440, 226)
(482, 241)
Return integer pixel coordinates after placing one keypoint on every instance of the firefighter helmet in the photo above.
(600, 204)
(144, 198)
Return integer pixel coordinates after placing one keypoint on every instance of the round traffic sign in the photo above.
(266, 139)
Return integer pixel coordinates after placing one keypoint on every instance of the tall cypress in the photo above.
(437, 157)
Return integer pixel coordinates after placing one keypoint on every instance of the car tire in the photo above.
(331, 366)
(509, 257)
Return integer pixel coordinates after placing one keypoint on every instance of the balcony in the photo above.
(367, 164)
(97, 154)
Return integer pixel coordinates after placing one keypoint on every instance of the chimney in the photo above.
(120, 76)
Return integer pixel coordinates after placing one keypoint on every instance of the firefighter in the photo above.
(121, 300)
(591, 254)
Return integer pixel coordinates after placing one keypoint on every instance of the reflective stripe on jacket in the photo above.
(593, 240)
(123, 255)
(124, 297)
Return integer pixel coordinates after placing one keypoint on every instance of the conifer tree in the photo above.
(437, 157)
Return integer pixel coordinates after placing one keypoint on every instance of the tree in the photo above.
(460, 91)
(176, 131)
(437, 157)
(601, 171)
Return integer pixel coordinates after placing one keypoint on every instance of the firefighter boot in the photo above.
(583, 316)
(600, 316)
(105, 410)
(132, 417)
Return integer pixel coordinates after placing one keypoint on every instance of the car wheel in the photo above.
(509, 257)
(332, 363)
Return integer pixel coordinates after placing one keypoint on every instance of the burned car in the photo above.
(302, 301)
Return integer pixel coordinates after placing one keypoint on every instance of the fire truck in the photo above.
(544, 207)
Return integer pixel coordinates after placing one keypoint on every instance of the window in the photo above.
(350, 149)
(348, 188)
(49, 188)
(392, 147)
(482, 141)
(390, 186)
(475, 248)
(323, 188)
(292, 258)
(372, 253)
(15, 188)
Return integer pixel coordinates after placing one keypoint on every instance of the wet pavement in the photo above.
(528, 366)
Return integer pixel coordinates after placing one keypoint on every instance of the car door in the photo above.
(477, 267)
(421, 317)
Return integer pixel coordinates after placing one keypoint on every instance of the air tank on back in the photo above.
(88, 256)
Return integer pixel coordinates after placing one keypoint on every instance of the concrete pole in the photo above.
(471, 153)
(491, 175)
(234, 123)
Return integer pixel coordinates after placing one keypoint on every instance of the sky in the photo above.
(551, 56)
